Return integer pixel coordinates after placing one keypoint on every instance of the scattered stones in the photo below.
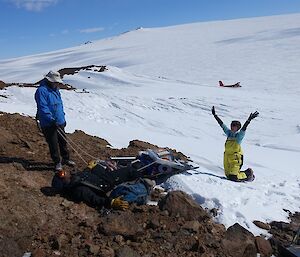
(127, 251)
(106, 252)
(283, 232)
(121, 224)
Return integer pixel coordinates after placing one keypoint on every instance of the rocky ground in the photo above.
(32, 221)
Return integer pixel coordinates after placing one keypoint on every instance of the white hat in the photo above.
(54, 76)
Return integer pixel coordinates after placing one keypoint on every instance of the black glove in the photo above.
(213, 111)
(253, 115)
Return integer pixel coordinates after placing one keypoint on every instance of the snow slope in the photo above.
(160, 86)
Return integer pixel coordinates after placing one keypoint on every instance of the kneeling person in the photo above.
(233, 154)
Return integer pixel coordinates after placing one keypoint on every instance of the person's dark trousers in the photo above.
(57, 144)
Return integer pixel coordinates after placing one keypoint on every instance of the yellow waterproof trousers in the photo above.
(233, 159)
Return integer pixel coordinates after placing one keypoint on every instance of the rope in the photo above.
(68, 139)
(63, 135)
(82, 150)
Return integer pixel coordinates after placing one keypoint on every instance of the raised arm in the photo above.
(251, 117)
(216, 116)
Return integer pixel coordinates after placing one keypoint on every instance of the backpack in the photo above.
(132, 192)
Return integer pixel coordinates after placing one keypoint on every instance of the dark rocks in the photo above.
(283, 232)
(280, 225)
(263, 246)
(214, 212)
(178, 203)
(73, 70)
(239, 242)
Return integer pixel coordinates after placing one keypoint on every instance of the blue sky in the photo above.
(36, 26)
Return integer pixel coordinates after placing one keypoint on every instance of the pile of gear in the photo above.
(119, 181)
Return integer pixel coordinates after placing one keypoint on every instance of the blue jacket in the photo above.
(50, 108)
(238, 136)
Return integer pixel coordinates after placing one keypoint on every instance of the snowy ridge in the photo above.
(160, 86)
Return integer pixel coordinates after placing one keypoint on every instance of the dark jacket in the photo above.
(99, 178)
(49, 105)
(91, 186)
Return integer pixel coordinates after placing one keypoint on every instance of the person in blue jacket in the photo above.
(51, 117)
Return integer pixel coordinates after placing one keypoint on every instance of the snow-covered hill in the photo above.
(160, 86)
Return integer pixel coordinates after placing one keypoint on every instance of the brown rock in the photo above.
(121, 224)
(178, 203)
(262, 225)
(94, 249)
(192, 226)
(239, 242)
(119, 239)
(126, 251)
(263, 247)
(218, 230)
(106, 252)
(10, 247)
(39, 253)
(2, 84)
(154, 223)
(62, 240)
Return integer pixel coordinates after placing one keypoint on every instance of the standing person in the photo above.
(50, 113)
(233, 155)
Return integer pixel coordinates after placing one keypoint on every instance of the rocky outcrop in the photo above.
(178, 203)
(2, 85)
(239, 242)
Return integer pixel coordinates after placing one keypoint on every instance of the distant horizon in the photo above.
(39, 26)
